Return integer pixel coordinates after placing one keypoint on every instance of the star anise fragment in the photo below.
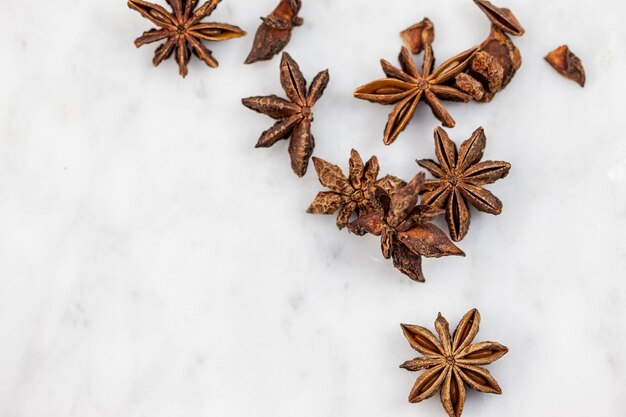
(501, 17)
(407, 86)
(183, 30)
(274, 32)
(451, 363)
(352, 194)
(567, 64)
(459, 179)
(405, 229)
(294, 115)
(419, 35)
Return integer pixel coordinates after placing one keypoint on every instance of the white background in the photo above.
(153, 263)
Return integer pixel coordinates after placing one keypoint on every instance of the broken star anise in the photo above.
(405, 229)
(275, 31)
(353, 194)
(451, 363)
(567, 64)
(183, 30)
(459, 179)
(407, 86)
(294, 115)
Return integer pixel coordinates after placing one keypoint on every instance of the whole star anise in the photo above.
(451, 363)
(294, 116)
(353, 194)
(405, 229)
(183, 30)
(459, 179)
(408, 86)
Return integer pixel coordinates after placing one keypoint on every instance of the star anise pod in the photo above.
(275, 31)
(501, 17)
(459, 179)
(405, 229)
(183, 30)
(407, 86)
(451, 363)
(352, 194)
(294, 116)
(419, 35)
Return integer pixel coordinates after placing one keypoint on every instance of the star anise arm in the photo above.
(385, 91)
(153, 12)
(345, 213)
(438, 197)
(438, 109)
(418, 364)
(466, 331)
(457, 215)
(202, 52)
(153, 35)
(453, 393)
(486, 172)
(443, 330)
(407, 64)
(182, 56)
(432, 167)
(177, 7)
(427, 384)
(445, 150)
(472, 150)
(452, 67)
(389, 183)
(405, 199)
(281, 130)
(396, 73)
(164, 51)
(445, 92)
(273, 106)
(482, 353)
(292, 80)
(479, 379)
(331, 177)
(216, 31)
(371, 171)
(301, 147)
(203, 11)
(501, 17)
(318, 85)
(190, 6)
(430, 241)
(407, 262)
(357, 168)
(327, 202)
(429, 61)
(482, 199)
(368, 223)
(422, 340)
(400, 117)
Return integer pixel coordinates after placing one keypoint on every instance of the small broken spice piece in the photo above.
(183, 31)
(451, 363)
(275, 31)
(419, 35)
(501, 17)
(459, 179)
(567, 64)
(405, 228)
(352, 194)
(294, 116)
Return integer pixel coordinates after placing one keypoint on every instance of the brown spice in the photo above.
(275, 31)
(567, 64)
(183, 31)
(419, 35)
(294, 116)
(501, 17)
(451, 362)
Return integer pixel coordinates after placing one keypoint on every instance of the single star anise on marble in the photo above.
(352, 194)
(451, 363)
(183, 30)
(407, 86)
(294, 115)
(405, 229)
(459, 179)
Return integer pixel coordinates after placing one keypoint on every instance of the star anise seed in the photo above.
(352, 194)
(459, 179)
(294, 115)
(183, 31)
(451, 362)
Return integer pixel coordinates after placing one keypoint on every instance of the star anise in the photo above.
(275, 31)
(294, 115)
(459, 179)
(451, 363)
(405, 229)
(408, 86)
(183, 30)
(567, 64)
(353, 194)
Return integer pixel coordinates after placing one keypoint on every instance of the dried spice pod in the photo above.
(419, 35)
(460, 176)
(183, 31)
(294, 116)
(567, 64)
(501, 17)
(353, 194)
(451, 362)
(274, 33)
(407, 86)
(405, 229)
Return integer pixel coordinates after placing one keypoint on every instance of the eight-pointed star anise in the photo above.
(460, 177)
(405, 229)
(183, 30)
(407, 87)
(451, 362)
(353, 194)
(294, 116)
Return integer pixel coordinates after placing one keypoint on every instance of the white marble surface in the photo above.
(153, 263)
